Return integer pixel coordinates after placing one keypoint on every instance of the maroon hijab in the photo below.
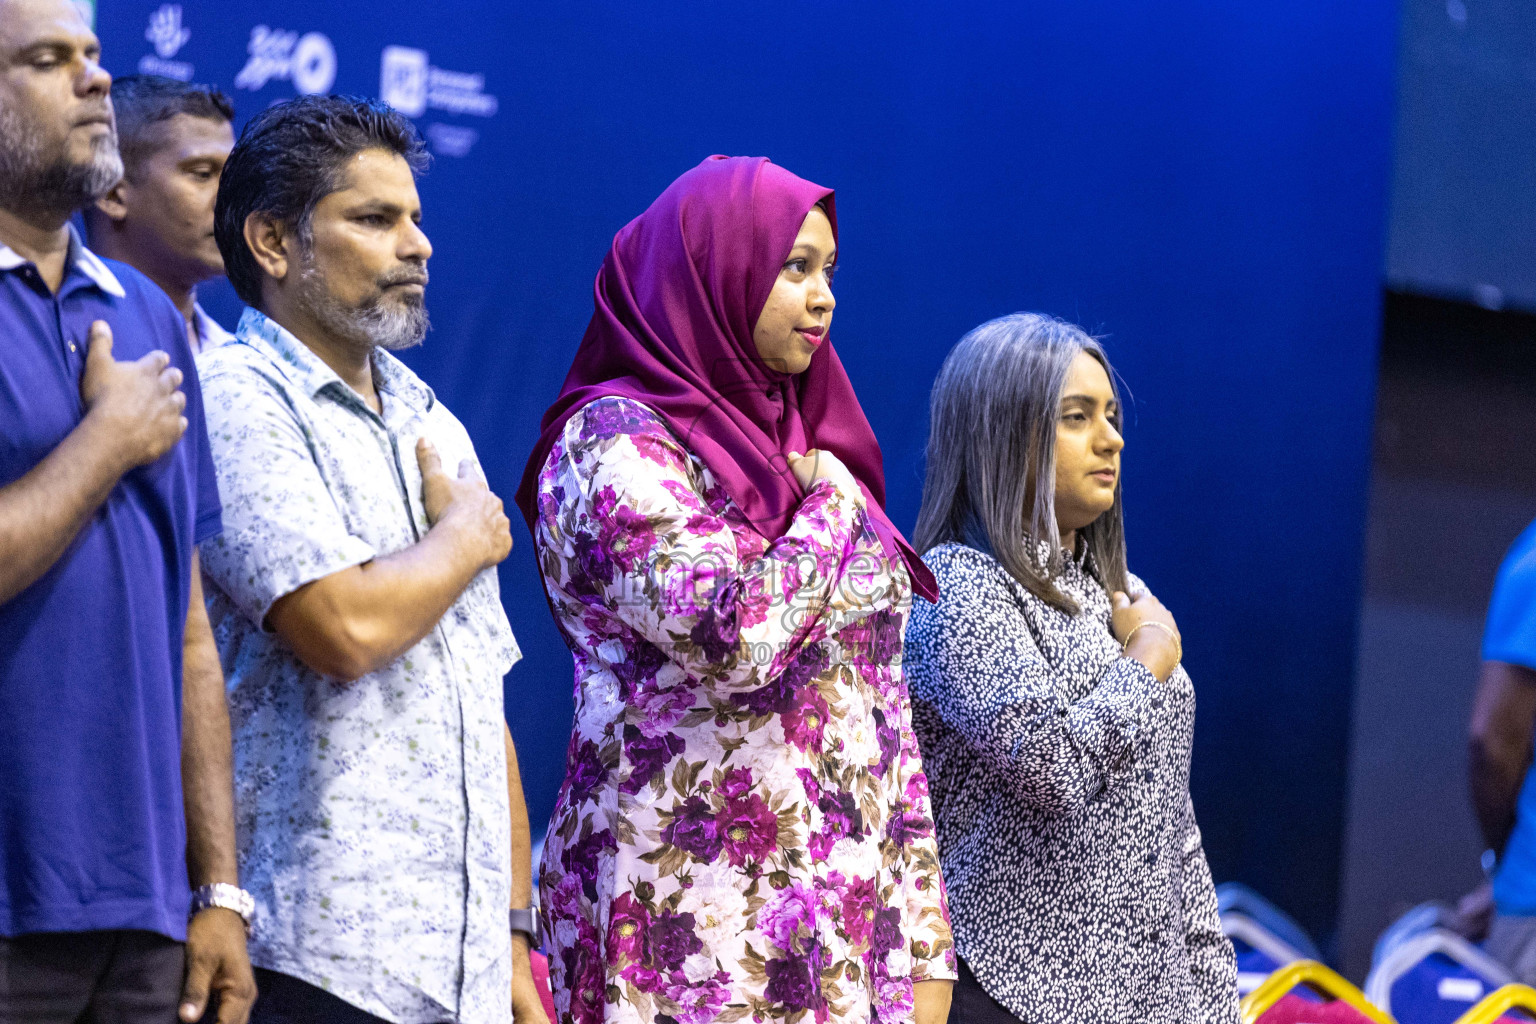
(677, 298)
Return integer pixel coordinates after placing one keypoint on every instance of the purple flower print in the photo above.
(889, 741)
(590, 568)
(791, 912)
(689, 591)
(717, 636)
(750, 830)
(628, 927)
(628, 537)
(586, 771)
(673, 940)
(693, 829)
(753, 602)
(805, 721)
(549, 506)
(611, 417)
(586, 979)
(917, 788)
(684, 495)
(893, 998)
(886, 933)
(775, 698)
(810, 661)
(906, 824)
(858, 905)
(791, 580)
(885, 636)
(841, 813)
(639, 666)
(563, 900)
(652, 917)
(656, 450)
(699, 1002)
(648, 757)
(582, 859)
(795, 981)
(873, 642)
(736, 783)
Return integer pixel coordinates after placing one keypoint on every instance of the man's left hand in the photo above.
(217, 962)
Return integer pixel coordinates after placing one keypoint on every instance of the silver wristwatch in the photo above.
(525, 920)
(230, 897)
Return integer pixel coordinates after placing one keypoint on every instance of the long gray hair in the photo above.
(992, 436)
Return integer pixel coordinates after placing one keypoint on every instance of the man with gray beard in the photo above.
(380, 819)
(115, 790)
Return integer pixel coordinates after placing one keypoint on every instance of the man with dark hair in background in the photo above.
(174, 139)
(115, 787)
(382, 828)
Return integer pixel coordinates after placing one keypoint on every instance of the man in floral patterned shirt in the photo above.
(380, 823)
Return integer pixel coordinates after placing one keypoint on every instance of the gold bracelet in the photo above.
(1178, 645)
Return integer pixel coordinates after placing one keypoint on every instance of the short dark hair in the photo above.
(143, 101)
(289, 157)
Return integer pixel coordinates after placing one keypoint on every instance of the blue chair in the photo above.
(1264, 937)
(1422, 972)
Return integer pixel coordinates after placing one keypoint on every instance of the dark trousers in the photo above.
(284, 999)
(970, 1003)
(109, 977)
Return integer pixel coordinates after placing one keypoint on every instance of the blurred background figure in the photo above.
(158, 219)
(1503, 723)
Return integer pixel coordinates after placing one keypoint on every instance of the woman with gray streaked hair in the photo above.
(1054, 720)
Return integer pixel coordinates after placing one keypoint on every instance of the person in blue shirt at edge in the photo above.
(158, 219)
(116, 796)
(1503, 785)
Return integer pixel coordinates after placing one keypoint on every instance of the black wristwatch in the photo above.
(525, 920)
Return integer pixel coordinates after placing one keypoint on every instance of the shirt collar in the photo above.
(308, 371)
(80, 258)
(210, 333)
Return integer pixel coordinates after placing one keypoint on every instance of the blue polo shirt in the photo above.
(1509, 635)
(92, 834)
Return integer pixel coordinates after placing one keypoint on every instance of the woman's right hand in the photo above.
(1155, 648)
(817, 464)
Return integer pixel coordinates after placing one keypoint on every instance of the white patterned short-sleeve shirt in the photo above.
(371, 816)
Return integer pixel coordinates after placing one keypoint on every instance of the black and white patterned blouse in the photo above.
(1059, 772)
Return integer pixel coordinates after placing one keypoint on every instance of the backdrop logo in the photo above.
(409, 83)
(403, 80)
(167, 34)
(308, 61)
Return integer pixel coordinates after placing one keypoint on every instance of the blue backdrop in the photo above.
(1202, 182)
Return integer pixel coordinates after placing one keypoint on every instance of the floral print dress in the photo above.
(744, 828)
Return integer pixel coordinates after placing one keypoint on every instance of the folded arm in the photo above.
(978, 666)
(644, 541)
(360, 619)
(288, 560)
(133, 416)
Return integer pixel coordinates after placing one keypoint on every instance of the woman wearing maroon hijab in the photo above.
(744, 827)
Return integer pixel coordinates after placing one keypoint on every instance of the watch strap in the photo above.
(225, 896)
(523, 919)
